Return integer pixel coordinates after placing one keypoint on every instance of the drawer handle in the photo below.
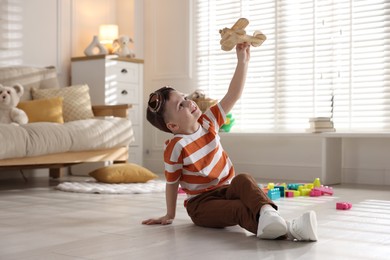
(124, 71)
(124, 92)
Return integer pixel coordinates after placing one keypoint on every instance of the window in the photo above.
(10, 32)
(321, 58)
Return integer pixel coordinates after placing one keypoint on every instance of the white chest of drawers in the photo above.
(112, 81)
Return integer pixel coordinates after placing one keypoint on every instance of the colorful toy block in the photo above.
(305, 192)
(273, 194)
(281, 190)
(289, 194)
(278, 190)
(325, 190)
(294, 186)
(271, 185)
(294, 192)
(343, 205)
(317, 183)
(309, 186)
(315, 193)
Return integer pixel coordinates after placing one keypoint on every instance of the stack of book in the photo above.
(320, 125)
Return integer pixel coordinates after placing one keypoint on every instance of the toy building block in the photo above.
(235, 35)
(281, 190)
(305, 192)
(325, 190)
(271, 185)
(296, 193)
(294, 186)
(315, 193)
(343, 205)
(273, 194)
(317, 183)
(289, 194)
(309, 186)
(263, 187)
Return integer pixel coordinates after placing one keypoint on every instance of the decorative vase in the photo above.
(95, 47)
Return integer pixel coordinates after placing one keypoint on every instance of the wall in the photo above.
(366, 161)
(87, 15)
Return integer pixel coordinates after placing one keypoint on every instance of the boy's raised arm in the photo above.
(238, 81)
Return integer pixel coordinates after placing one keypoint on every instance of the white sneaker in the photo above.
(304, 228)
(271, 225)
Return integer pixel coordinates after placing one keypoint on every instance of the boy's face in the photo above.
(181, 114)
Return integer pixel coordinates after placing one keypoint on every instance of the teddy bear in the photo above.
(198, 93)
(230, 37)
(203, 102)
(121, 46)
(9, 98)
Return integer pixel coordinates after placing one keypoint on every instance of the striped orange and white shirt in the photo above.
(198, 161)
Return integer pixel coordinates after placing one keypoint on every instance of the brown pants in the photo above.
(236, 204)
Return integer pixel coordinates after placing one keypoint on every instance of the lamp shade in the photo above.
(108, 33)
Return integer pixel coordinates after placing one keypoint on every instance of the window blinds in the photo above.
(321, 58)
(10, 32)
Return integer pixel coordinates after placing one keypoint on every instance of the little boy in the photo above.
(195, 159)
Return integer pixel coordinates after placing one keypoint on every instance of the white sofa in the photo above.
(105, 136)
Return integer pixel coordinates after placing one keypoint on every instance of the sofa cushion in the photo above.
(45, 138)
(123, 173)
(100, 133)
(43, 110)
(13, 141)
(29, 77)
(76, 104)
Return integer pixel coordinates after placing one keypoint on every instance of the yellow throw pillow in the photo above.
(123, 173)
(43, 110)
(76, 104)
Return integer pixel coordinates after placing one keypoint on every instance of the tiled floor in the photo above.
(39, 222)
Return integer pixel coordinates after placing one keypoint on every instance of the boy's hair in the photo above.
(156, 108)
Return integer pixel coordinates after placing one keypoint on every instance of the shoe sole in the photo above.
(310, 217)
(273, 231)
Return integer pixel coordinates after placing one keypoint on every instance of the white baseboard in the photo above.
(296, 173)
(280, 173)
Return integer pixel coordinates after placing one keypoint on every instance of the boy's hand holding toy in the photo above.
(235, 35)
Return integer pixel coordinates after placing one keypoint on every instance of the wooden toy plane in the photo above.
(235, 35)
